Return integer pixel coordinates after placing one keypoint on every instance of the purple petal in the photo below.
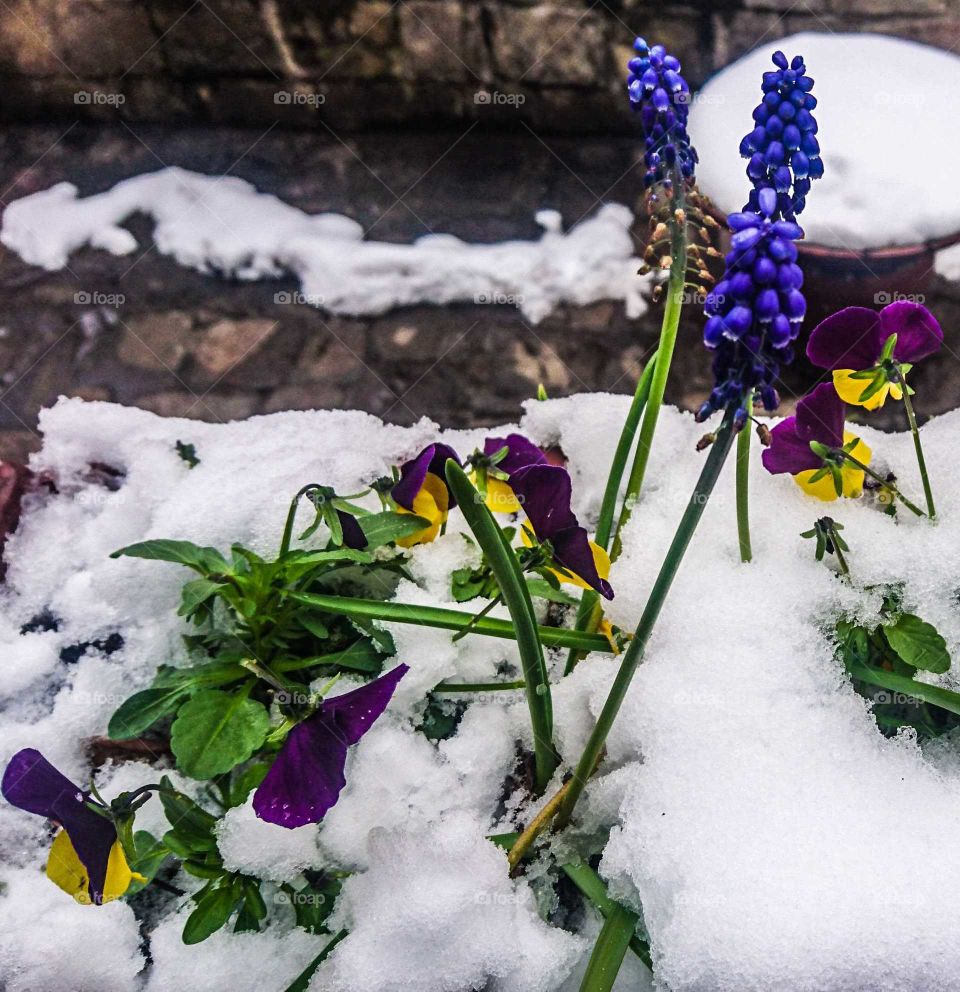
(356, 711)
(917, 330)
(544, 492)
(306, 779)
(848, 339)
(433, 459)
(521, 452)
(31, 783)
(353, 536)
(787, 451)
(572, 551)
(821, 416)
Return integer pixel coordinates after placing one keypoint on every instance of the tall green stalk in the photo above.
(609, 950)
(516, 596)
(743, 486)
(635, 652)
(921, 462)
(658, 384)
(589, 611)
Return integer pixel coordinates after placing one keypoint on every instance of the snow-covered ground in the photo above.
(774, 838)
(884, 106)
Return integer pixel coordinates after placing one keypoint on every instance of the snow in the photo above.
(223, 225)
(774, 838)
(871, 196)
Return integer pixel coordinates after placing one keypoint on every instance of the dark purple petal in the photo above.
(433, 459)
(788, 452)
(821, 416)
(544, 492)
(31, 783)
(306, 779)
(572, 551)
(848, 339)
(918, 333)
(353, 536)
(355, 711)
(521, 452)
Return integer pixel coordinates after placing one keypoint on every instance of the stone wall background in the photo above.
(409, 116)
(367, 63)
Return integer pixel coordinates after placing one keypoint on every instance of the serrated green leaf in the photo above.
(216, 731)
(214, 907)
(918, 644)
(207, 561)
(382, 528)
(141, 710)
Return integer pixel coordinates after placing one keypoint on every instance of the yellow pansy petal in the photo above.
(851, 475)
(850, 390)
(432, 503)
(500, 497)
(822, 488)
(601, 560)
(119, 875)
(66, 870)
(606, 628)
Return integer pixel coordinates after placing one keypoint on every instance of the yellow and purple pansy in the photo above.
(544, 491)
(869, 353)
(518, 453)
(86, 858)
(819, 419)
(422, 490)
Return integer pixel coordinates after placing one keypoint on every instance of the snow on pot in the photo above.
(880, 213)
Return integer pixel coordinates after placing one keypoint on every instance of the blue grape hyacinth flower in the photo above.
(783, 151)
(754, 312)
(661, 97)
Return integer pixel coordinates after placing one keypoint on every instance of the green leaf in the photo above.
(933, 694)
(188, 452)
(245, 782)
(141, 710)
(361, 656)
(313, 625)
(208, 674)
(207, 561)
(195, 593)
(150, 854)
(302, 982)
(383, 528)
(918, 644)
(214, 907)
(216, 731)
(544, 590)
(193, 824)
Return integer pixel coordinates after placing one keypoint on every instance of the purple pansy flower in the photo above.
(307, 776)
(413, 474)
(89, 862)
(353, 535)
(545, 493)
(852, 341)
(820, 417)
(521, 452)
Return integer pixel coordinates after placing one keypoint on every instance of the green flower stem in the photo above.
(658, 384)
(456, 687)
(635, 650)
(516, 596)
(434, 616)
(590, 611)
(591, 886)
(477, 617)
(608, 952)
(291, 517)
(921, 462)
(841, 560)
(743, 486)
(876, 478)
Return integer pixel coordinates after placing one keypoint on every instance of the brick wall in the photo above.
(353, 64)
